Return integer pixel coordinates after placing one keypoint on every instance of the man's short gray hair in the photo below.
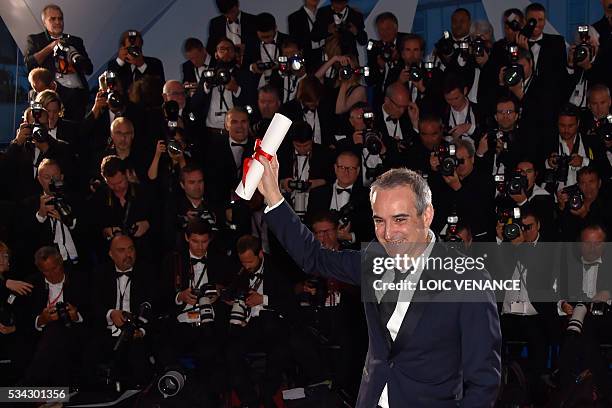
(46, 252)
(403, 177)
(481, 28)
(467, 145)
(48, 7)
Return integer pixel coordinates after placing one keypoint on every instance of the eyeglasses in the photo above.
(506, 112)
(345, 168)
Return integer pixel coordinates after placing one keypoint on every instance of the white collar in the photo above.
(598, 261)
(467, 106)
(120, 271)
(56, 284)
(537, 39)
(191, 255)
(310, 13)
(258, 270)
(347, 187)
(236, 141)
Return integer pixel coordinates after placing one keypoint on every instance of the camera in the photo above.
(600, 308)
(133, 49)
(447, 154)
(529, 28)
(517, 184)
(132, 323)
(478, 47)
(511, 218)
(7, 316)
(372, 173)
(203, 214)
(500, 183)
(452, 229)
(39, 132)
(445, 46)
(345, 214)
(575, 197)
(290, 65)
(346, 72)
(65, 54)
(108, 83)
(583, 50)
(415, 73)
(61, 309)
(513, 23)
(495, 135)
(217, 77)
(171, 382)
(299, 185)
(514, 73)
(171, 111)
(206, 295)
(56, 188)
(371, 137)
(604, 129)
(264, 66)
(240, 313)
(381, 48)
(464, 48)
(561, 172)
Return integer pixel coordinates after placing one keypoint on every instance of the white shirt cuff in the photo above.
(270, 208)
(559, 309)
(471, 129)
(353, 239)
(265, 300)
(176, 299)
(36, 326)
(585, 161)
(109, 322)
(142, 68)
(237, 93)
(120, 62)
(40, 218)
(79, 318)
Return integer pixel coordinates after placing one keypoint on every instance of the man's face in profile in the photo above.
(397, 226)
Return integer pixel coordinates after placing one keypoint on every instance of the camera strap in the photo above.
(468, 115)
(291, 82)
(199, 282)
(54, 301)
(125, 289)
(222, 101)
(575, 148)
(270, 57)
(299, 173)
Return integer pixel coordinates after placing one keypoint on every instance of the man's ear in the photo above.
(428, 215)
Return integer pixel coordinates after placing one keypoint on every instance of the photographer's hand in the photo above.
(434, 161)
(582, 212)
(453, 181)
(122, 54)
(142, 228)
(254, 299)
(99, 104)
(483, 59)
(232, 85)
(19, 287)
(576, 160)
(7, 329)
(117, 318)
(344, 233)
(413, 114)
(483, 146)
(522, 41)
(562, 199)
(43, 208)
(72, 312)
(187, 297)
(22, 134)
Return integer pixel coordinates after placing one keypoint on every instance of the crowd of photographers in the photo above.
(123, 239)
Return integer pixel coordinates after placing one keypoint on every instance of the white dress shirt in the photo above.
(339, 200)
(62, 237)
(572, 174)
(233, 31)
(460, 117)
(535, 51)
(200, 277)
(124, 287)
(394, 129)
(219, 106)
(312, 119)
(255, 310)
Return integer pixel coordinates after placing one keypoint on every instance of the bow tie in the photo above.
(238, 144)
(343, 190)
(390, 119)
(306, 110)
(196, 261)
(257, 275)
(588, 266)
(532, 43)
(126, 273)
(236, 21)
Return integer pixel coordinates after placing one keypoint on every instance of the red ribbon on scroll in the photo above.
(247, 162)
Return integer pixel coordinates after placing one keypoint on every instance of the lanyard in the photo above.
(575, 148)
(270, 58)
(54, 301)
(197, 74)
(299, 174)
(314, 121)
(236, 33)
(199, 282)
(468, 116)
(291, 82)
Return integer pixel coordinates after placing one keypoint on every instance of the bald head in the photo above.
(122, 252)
(397, 100)
(174, 91)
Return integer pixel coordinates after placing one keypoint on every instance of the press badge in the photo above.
(518, 308)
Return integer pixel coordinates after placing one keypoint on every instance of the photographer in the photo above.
(268, 103)
(65, 57)
(189, 118)
(54, 217)
(604, 28)
(126, 289)
(198, 319)
(262, 306)
(468, 189)
(290, 78)
(347, 198)
(501, 147)
(227, 87)
(461, 117)
(40, 79)
(582, 205)
(12, 343)
(58, 127)
(123, 207)
(186, 205)
(383, 54)
(262, 56)
(339, 18)
(513, 21)
(305, 167)
(584, 68)
(300, 25)
(528, 314)
(422, 81)
(418, 157)
(131, 64)
(57, 308)
(233, 23)
(570, 151)
(167, 163)
(481, 72)
(31, 145)
(599, 103)
(198, 60)
(446, 49)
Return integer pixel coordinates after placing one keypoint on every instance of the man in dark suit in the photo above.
(198, 60)
(124, 287)
(464, 365)
(266, 50)
(263, 293)
(131, 64)
(306, 162)
(192, 120)
(301, 24)
(233, 23)
(59, 127)
(58, 309)
(461, 117)
(225, 158)
(604, 29)
(385, 54)
(339, 18)
(69, 72)
(347, 198)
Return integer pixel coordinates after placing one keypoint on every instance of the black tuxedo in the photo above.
(474, 108)
(319, 159)
(572, 276)
(217, 30)
(68, 131)
(58, 347)
(188, 70)
(252, 52)
(221, 172)
(348, 41)
(320, 199)
(604, 28)
(299, 29)
(468, 353)
(377, 76)
(325, 113)
(74, 99)
(552, 60)
(396, 148)
(155, 68)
